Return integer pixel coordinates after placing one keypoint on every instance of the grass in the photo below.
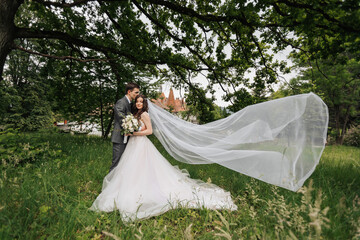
(49, 197)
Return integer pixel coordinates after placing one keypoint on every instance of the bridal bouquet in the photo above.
(129, 124)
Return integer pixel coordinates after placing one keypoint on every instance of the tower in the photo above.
(171, 99)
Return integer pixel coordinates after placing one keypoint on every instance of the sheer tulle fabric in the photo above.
(145, 184)
(279, 141)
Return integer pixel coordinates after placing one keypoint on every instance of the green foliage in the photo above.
(297, 85)
(105, 44)
(14, 150)
(352, 136)
(337, 81)
(26, 108)
(204, 112)
(200, 106)
(222, 40)
(242, 98)
(24, 103)
(220, 112)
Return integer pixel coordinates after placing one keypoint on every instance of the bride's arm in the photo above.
(146, 119)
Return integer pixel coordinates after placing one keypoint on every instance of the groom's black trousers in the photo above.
(118, 150)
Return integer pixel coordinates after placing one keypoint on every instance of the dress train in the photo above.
(145, 184)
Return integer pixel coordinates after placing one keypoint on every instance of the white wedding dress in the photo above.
(145, 184)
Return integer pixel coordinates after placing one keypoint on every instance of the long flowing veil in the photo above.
(279, 142)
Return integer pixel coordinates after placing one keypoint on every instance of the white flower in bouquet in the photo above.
(129, 124)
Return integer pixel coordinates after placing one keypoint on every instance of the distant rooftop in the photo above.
(178, 105)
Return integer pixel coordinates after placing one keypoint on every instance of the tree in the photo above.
(337, 82)
(200, 106)
(185, 36)
(25, 95)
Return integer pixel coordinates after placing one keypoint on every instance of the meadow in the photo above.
(49, 180)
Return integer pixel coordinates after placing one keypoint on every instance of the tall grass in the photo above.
(49, 199)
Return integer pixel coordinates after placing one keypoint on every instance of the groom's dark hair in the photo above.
(130, 86)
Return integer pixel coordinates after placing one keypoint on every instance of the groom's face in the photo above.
(134, 93)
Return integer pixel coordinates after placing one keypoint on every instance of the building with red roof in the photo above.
(177, 105)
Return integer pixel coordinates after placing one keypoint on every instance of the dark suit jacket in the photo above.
(121, 109)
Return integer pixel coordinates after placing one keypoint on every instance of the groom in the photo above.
(121, 109)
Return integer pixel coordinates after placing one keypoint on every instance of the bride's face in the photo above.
(139, 103)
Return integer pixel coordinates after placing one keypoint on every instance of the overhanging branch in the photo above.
(192, 13)
(31, 33)
(183, 41)
(69, 5)
(61, 57)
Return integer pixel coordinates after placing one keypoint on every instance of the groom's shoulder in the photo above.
(121, 100)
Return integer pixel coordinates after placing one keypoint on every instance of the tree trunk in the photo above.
(8, 9)
(341, 122)
(337, 110)
(101, 111)
(343, 131)
(109, 127)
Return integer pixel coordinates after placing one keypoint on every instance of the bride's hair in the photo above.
(137, 112)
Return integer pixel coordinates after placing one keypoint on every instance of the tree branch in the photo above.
(317, 66)
(14, 46)
(116, 24)
(69, 5)
(321, 11)
(176, 38)
(278, 10)
(30, 33)
(192, 13)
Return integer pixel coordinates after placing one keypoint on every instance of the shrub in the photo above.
(352, 136)
(26, 108)
(14, 151)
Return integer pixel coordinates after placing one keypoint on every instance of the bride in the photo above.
(279, 142)
(145, 184)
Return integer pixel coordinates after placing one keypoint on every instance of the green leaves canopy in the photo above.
(219, 39)
(112, 42)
